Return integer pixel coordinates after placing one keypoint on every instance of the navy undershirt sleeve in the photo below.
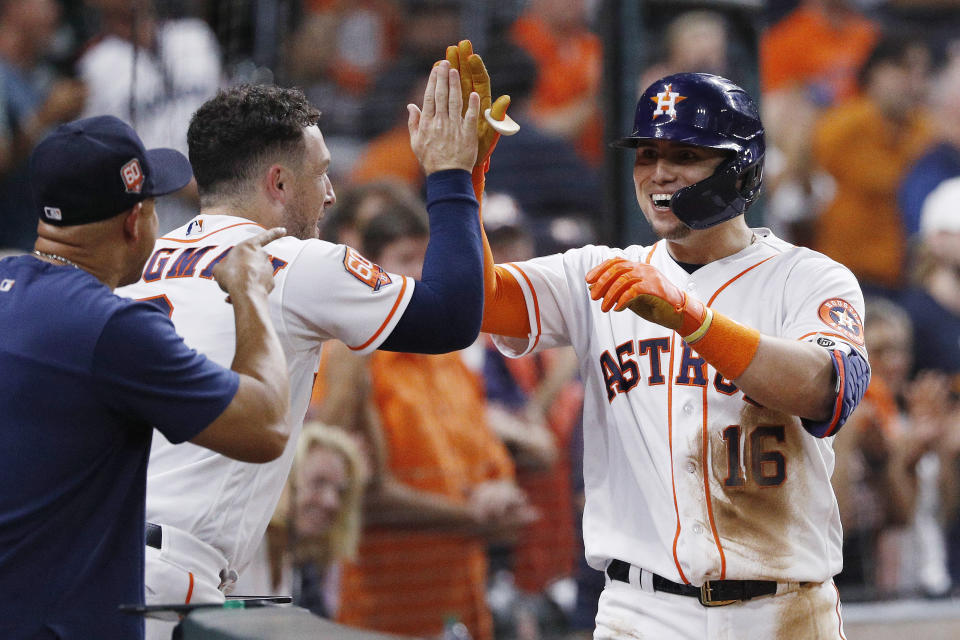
(446, 308)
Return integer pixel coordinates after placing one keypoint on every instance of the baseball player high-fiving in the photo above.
(717, 363)
(260, 160)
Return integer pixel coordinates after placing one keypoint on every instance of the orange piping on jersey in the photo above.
(504, 308)
(676, 508)
(706, 489)
(199, 238)
(536, 303)
(650, 255)
(189, 589)
(838, 405)
(386, 321)
(730, 281)
(839, 616)
(706, 441)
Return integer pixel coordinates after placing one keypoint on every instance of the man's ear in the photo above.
(131, 219)
(277, 183)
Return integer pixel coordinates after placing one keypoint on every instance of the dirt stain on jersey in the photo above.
(755, 520)
(623, 632)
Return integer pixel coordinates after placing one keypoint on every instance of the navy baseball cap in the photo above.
(96, 168)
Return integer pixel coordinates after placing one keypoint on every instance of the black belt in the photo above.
(154, 535)
(713, 592)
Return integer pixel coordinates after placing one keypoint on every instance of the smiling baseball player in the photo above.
(717, 363)
(260, 158)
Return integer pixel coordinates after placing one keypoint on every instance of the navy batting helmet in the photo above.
(707, 111)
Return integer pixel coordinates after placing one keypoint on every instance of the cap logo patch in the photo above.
(667, 102)
(52, 213)
(838, 314)
(132, 176)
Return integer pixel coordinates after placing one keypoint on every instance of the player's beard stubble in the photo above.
(301, 219)
(668, 229)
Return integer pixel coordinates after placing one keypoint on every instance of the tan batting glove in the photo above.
(494, 120)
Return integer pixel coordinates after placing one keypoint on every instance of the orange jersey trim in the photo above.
(706, 488)
(673, 486)
(189, 589)
(650, 255)
(386, 321)
(198, 239)
(838, 405)
(536, 305)
(839, 615)
(731, 280)
(706, 439)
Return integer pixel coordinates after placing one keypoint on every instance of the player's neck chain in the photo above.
(54, 256)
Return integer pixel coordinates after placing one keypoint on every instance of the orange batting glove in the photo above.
(644, 290)
(726, 344)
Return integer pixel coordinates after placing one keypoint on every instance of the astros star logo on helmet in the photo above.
(667, 102)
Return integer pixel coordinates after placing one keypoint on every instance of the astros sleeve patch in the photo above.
(842, 317)
(365, 271)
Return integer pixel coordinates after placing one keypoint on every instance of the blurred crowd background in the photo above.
(441, 494)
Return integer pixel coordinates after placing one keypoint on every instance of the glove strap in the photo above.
(699, 333)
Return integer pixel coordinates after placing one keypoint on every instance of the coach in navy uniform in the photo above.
(85, 376)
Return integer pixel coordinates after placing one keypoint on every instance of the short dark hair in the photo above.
(890, 48)
(391, 225)
(391, 195)
(231, 134)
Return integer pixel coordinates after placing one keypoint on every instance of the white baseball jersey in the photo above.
(322, 291)
(684, 476)
(170, 82)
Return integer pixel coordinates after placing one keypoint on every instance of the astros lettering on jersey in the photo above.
(684, 475)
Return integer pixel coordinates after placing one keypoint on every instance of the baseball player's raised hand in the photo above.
(474, 77)
(442, 134)
(644, 290)
(247, 267)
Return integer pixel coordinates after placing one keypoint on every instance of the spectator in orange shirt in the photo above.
(799, 79)
(445, 486)
(566, 98)
(867, 144)
(818, 47)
